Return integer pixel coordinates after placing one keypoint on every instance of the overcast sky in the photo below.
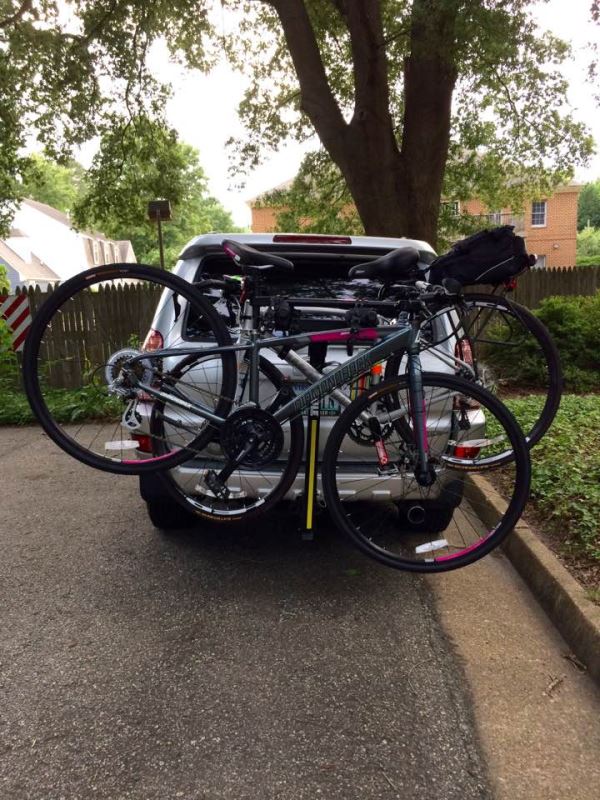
(203, 108)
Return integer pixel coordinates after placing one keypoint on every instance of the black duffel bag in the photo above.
(490, 256)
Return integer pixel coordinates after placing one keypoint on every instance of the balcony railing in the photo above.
(518, 220)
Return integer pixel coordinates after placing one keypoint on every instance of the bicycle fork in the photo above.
(424, 472)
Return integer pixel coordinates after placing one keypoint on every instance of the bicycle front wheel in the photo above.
(91, 347)
(374, 497)
(505, 348)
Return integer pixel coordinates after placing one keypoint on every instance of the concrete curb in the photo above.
(560, 595)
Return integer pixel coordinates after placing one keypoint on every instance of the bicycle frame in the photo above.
(394, 338)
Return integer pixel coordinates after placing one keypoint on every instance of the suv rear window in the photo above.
(317, 275)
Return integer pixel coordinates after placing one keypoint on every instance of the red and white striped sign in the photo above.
(15, 310)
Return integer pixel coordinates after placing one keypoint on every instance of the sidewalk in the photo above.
(538, 715)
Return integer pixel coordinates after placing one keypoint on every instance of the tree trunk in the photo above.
(429, 78)
(396, 192)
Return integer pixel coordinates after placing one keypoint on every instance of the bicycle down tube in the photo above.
(402, 338)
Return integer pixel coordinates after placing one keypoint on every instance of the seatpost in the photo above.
(249, 322)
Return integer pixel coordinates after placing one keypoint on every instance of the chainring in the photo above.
(361, 433)
(246, 422)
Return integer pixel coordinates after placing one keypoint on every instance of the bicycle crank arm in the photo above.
(216, 481)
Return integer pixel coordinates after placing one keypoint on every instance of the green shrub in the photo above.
(574, 324)
(588, 243)
(65, 405)
(565, 487)
(588, 261)
(9, 368)
(4, 284)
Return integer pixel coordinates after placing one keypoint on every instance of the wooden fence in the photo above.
(91, 327)
(99, 322)
(535, 285)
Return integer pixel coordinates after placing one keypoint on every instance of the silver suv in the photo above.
(321, 271)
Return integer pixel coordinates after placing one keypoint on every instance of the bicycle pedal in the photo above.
(388, 471)
(212, 481)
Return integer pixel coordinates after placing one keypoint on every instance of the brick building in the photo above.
(549, 226)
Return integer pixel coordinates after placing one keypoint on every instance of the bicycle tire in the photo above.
(185, 488)
(548, 362)
(71, 309)
(351, 486)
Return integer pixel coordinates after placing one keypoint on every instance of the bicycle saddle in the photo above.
(398, 264)
(253, 261)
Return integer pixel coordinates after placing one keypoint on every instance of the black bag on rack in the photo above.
(490, 256)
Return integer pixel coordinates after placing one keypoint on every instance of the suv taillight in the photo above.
(466, 451)
(153, 341)
(144, 442)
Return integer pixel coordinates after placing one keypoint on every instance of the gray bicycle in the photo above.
(232, 421)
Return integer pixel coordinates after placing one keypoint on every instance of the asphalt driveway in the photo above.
(247, 665)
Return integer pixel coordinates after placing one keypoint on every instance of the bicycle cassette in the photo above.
(117, 366)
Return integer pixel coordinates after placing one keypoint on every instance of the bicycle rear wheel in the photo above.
(256, 485)
(369, 475)
(505, 348)
(82, 366)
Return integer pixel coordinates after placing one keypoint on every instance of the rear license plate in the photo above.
(328, 407)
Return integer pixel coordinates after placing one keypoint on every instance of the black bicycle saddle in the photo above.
(253, 261)
(394, 266)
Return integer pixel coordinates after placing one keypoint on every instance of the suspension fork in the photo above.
(416, 396)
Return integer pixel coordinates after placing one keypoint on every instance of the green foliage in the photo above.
(9, 368)
(588, 207)
(574, 324)
(4, 284)
(140, 162)
(588, 261)
(588, 246)
(66, 405)
(5, 342)
(55, 184)
(65, 81)
(67, 77)
(566, 472)
(317, 201)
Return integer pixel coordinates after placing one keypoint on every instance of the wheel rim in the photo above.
(83, 364)
(379, 508)
(252, 489)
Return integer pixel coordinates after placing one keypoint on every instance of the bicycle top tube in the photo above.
(347, 335)
(401, 337)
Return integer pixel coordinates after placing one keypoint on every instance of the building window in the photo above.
(107, 254)
(453, 206)
(495, 217)
(540, 263)
(95, 252)
(538, 213)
